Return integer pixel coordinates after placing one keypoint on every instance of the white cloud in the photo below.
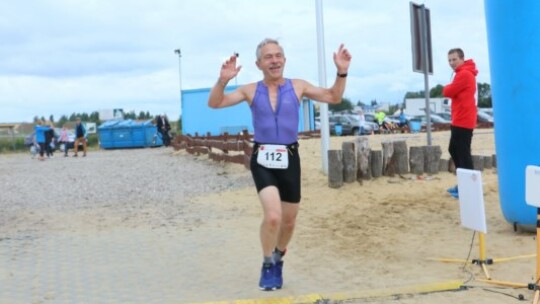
(59, 57)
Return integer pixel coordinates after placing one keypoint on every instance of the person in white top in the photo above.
(361, 121)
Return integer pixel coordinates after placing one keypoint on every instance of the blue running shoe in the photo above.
(279, 274)
(268, 277)
(455, 194)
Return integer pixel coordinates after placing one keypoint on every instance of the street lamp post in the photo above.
(179, 52)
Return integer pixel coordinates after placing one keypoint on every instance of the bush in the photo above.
(8, 145)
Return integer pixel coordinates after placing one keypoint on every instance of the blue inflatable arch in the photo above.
(513, 29)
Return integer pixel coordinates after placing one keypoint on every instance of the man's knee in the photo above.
(272, 219)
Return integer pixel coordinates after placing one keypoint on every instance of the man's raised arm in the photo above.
(218, 98)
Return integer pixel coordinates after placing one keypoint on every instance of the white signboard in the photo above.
(90, 127)
(532, 186)
(471, 199)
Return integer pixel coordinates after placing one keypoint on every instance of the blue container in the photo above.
(338, 129)
(514, 44)
(128, 134)
(415, 126)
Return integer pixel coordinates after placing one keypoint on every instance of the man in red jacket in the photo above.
(462, 92)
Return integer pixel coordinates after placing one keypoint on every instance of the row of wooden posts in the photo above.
(356, 161)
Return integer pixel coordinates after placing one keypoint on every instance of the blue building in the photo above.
(197, 117)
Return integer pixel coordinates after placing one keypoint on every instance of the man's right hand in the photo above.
(229, 70)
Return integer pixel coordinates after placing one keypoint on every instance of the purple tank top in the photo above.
(281, 126)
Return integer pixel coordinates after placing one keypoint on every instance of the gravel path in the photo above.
(125, 182)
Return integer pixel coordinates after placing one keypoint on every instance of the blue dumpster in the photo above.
(128, 134)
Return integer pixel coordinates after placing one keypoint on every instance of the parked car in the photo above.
(350, 125)
(487, 111)
(445, 115)
(484, 117)
(369, 126)
(435, 119)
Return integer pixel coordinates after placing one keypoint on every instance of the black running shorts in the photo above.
(286, 180)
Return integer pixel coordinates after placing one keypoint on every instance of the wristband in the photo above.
(342, 75)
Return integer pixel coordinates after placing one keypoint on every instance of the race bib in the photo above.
(273, 156)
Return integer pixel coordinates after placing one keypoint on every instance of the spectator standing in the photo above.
(40, 130)
(164, 128)
(63, 139)
(462, 91)
(361, 121)
(80, 137)
(49, 140)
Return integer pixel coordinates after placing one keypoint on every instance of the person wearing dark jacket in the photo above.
(49, 140)
(163, 127)
(464, 113)
(80, 137)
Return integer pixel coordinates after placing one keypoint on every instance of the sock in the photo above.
(278, 254)
(268, 260)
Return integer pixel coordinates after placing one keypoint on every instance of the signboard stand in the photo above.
(532, 197)
(471, 201)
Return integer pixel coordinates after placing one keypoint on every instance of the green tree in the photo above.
(63, 119)
(393, 108)
(436, 91)
(130, 115)
(345, 105)
(484, 95)
(419, 94)
(94, 117)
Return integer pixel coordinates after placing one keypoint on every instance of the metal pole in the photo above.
(325, 131)
(426, 70)
(179, 52)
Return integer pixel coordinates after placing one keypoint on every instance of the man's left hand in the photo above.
(342, 59)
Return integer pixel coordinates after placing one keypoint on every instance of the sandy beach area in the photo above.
(179, 228)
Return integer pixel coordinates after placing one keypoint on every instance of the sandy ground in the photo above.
(194, 237)
(380, 234)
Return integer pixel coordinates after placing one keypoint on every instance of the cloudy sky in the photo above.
(64, 56)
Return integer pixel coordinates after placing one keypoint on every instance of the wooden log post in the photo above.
(478, 162)
(444, 165)
(376, 163)
(335, 168)
(349, 162)
(400, 157)
(488, 162)
(363, 157)
(416, 160)
(389, 167)
(432, 155)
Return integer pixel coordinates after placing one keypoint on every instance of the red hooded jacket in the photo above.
(461, 91)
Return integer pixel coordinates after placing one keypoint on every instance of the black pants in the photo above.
(42, 149)
(165, 137)
(460, 147)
